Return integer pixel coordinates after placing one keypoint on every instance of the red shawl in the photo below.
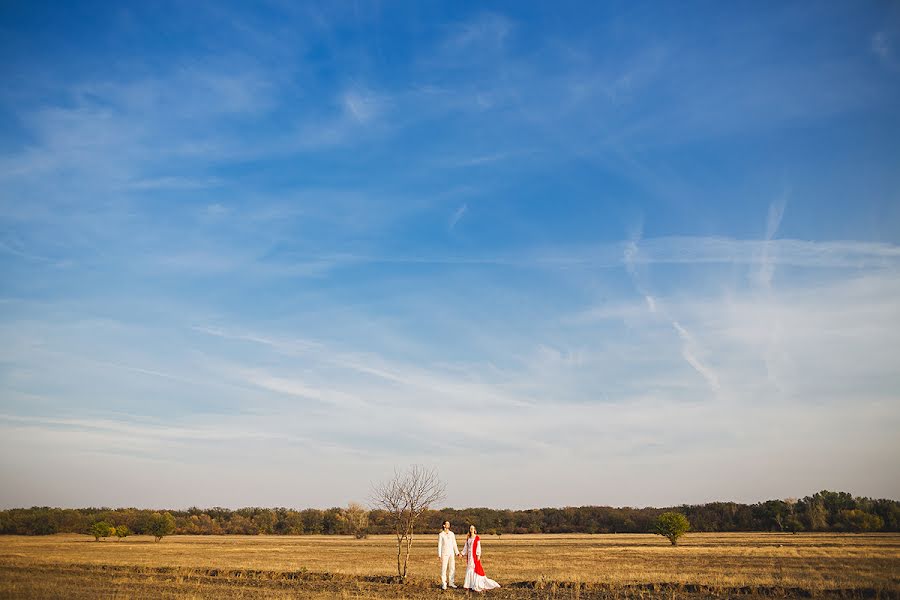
(479, 570)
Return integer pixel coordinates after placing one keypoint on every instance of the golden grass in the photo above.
(180, 566)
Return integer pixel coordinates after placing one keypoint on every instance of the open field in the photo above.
(528, 566)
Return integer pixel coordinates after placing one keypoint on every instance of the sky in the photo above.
(617, 253)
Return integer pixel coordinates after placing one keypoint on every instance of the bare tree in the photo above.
(405, 497)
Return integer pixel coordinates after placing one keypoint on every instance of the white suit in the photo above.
(447, 552)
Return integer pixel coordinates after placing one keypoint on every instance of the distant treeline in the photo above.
(824, 511)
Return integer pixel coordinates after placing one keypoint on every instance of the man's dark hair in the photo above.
(445, 521)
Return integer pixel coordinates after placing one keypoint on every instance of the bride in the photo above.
(475, 578)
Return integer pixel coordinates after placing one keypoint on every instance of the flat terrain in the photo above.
(528, 566)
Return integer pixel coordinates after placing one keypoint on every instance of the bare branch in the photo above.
(405, 497)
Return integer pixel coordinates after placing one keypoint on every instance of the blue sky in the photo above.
(631, 253)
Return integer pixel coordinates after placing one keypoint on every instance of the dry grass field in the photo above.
(530, 566)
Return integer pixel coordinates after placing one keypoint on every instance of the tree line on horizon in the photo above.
(823, 511)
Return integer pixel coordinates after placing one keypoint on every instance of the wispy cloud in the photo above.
(773, 221)
(363, 105)
(414, 377)
(690, 349)
(480, 160)
(458, 214)
(662, 251)
(489, 30)
(293, 386)
(9, 248)
(175, 183)
(131, 431)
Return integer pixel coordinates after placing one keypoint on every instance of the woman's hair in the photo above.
(471, 527)
(445, 521)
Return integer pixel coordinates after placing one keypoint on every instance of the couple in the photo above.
(448, 551)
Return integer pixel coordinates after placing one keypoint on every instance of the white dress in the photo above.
(474, 581)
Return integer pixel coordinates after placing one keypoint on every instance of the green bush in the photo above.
(161, 525)
(122, 531)
(672, 525)
(101, 529)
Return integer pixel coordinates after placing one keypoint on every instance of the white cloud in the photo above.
(689, 351)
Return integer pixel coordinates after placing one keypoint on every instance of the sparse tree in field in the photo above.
(356, 516)
(404, 498)
(161, 525)
(101, 529)
(672, 525)
(122, 531)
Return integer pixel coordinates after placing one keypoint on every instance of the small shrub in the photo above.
(101, 529)
(161, 525)
(122, 531)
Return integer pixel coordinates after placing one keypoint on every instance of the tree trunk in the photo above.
(400, 572)
(409, 540)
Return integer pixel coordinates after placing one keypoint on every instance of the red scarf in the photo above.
(479, 570)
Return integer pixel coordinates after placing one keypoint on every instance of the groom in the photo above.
(447, 552)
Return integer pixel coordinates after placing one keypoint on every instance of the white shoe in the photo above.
(444, 586)
(453, 586)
